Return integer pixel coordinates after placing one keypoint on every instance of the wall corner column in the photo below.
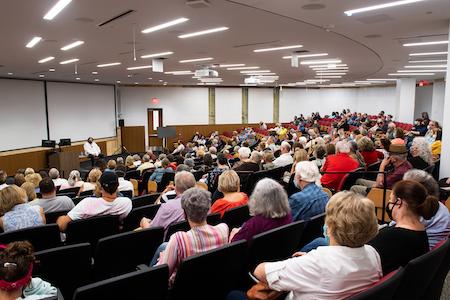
(244, 105)
(406, 99)
(211, 105)
(276, 104)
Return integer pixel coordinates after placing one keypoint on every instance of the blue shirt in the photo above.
(308, 203)
(22, 216)
(158, 174)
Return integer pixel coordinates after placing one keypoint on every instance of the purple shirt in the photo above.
(169, 213)
(397, 174)
(259, 224)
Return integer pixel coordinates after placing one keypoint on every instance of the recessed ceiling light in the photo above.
(187, 72)
(94, 72)
(428, 53)
(139, 67)
(329, 70)
(10, 73)
(329, 76)
(427, 61)
(78, 78)
(165, 83)
(41, 75)
(231, 65)
(65, 62)
(242, 68)
(195, 60)
(109, 64)
(33, 42)
(410, 74)
(165, 25)
(427, 66)
(278, 48)
(136, 83)
(129, 75)
(260, 74)
(160, 80)
(51, 70)
(257, 71)
(72, 45)
(306, 55)
(362, 82)
(117, 81)
(44, 60)
(156, 54)
(425, 43)
(320, 61)
(96, 79)
(149, 78)
(208, 31)
(379, 6)
(326, 74)
(56, 9)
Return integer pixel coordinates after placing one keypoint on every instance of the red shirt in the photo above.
(222, 205)
(370, 157)
(340, 162)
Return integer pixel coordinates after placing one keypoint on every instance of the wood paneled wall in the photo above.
(36, 158)
(133, 138)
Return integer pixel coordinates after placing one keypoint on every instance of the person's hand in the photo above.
(262, 291)
(385, 162)
(145, 223)
(297, 254)
(233, 233)
(168, 188)
(448, 180)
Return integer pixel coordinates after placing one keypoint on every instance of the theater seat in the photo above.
(41, 237)
(313, 229)
(236, 216)
(144, 200)
(132, 221)
(384, 289)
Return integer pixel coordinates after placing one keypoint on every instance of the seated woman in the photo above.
(421, 156)
(229, 184)
(28, 187)
(93, 178)
(399, 244)
(299, 155)
(73, 181)
(268, 159)
(158, 173)
(202, 237)
(269, 208)
(16, 270)
(368, 152)
(16, 213)
(129, 163)
(338, 271)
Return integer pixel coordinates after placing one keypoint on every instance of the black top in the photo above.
(397, 246)
(418, 163)
(247, 166)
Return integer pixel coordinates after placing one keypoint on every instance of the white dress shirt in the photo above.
(92, 149)
(283, 160)
(125, 185)
(331, 272)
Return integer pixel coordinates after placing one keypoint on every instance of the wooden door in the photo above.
(155, 120)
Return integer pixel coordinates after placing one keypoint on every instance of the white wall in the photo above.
(437, 106)
(22, 114)
(181, 106)
(372, 100)
(260, 105)
(78, 111)
(228, 105)
(424, 96)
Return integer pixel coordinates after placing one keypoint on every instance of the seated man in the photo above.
(171, 212)
(285, 158)
(312, 200)
(396, 165)
(107, 204)
(202, 237)
(57, 180)
(243, 154)
(124, 185)
(49, 201)
(92, 150)
(159, 172)
(251, 164)
(147, 164)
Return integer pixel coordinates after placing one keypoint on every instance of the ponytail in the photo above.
(428, 208)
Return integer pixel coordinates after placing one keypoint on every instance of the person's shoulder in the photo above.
(123, 200)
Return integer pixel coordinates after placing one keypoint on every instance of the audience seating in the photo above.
(92, 229)
(128, 194)
(434, 289)
(212, 219)
(87, 193)
(74, 190)
(144, 200)
(198, 175)
(149, 283)
(420, 272)
(349, 179)
(275, 174)
(135, 184)
(375, 167)
(384, 289)
(78, 199)
(51, 217)
(244, 177)
(276, 244)
(122, 253)
(152, 186)
(67, 267)
(236, 216)
(132, 174)
(313, 229)
(212, 274)
(41, 237)
(376, 195)
(165, 180)
(327, 191)
(68, 194)
(133, 220)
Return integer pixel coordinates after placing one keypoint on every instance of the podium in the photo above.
(65, 162)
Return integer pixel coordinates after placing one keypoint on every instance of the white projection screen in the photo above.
(78, 111)
(22, 114)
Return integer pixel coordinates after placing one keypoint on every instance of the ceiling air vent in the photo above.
(198, 3)
(119, 16)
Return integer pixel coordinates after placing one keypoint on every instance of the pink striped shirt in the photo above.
(184, 244)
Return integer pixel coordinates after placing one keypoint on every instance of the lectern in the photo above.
(65, 162)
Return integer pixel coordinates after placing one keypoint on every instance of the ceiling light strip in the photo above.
(195, 60)
(165, 25)
(33, 42)
(278, 48)
(203, 32)
(72, 45)
(157, 54)
(56, 9)
(379, 6)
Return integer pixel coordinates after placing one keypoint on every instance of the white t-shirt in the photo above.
(125, 185)
(60, 181)
(283, 160)
(92, 149)
(88, 186)
(92, 207)
(2, 186)
(331, 272)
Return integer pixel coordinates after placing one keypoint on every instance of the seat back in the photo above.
(434, 289)
(128, 194)
(350, 179)
(313, 229)
(383, 289)
(41, 237)
(144, 200)
(152, 186)
(67, 194)
(67, 267)
(74, 190)
(175, 227)
(219, 270)
(121, 253)
(150, 283)
(135, 216)
(92, 229)
(135, 174)
(51, 217)
(165, 180)
(236, 216)
(213, 219)
(415, 282)
(87, 193)
(276, 244)
(244, 178)
(376, 195)
(374, 167)
(135, 184)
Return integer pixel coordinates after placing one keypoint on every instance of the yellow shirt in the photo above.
(436, 148)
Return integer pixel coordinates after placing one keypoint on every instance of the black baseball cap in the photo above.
(109, 181)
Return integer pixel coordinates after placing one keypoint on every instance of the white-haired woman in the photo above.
(421, 156)
(269, 208)
(73, 181)
(350, 223)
